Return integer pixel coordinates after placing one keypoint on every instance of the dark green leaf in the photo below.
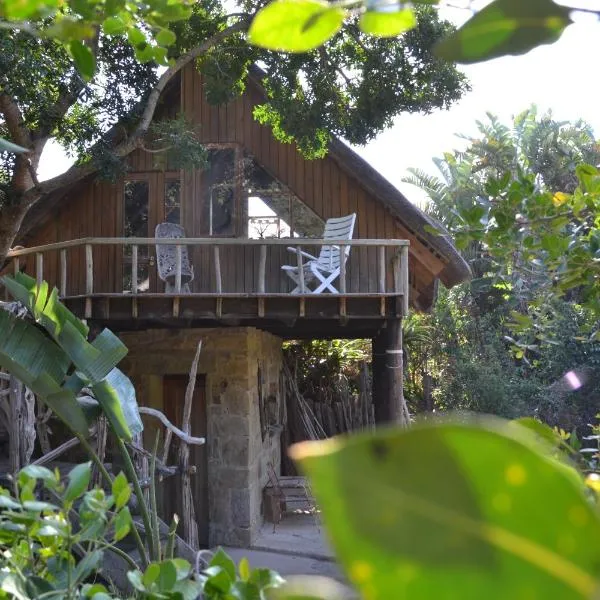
(505, 27)
(87, 565)
(295, 25)
(84, 59)
(223, 560)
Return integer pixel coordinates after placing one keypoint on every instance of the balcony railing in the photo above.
(224, 267)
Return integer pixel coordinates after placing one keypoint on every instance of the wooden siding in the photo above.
(95, 209)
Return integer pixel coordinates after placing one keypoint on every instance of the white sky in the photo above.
(562, 77)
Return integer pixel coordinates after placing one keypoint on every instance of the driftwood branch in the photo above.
(188, 439)
(53, 454)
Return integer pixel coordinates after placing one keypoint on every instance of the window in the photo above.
(219, 192)
(273, 210)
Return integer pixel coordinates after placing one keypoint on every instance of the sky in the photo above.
(561, 77)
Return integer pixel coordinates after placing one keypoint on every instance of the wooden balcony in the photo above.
(237, 282)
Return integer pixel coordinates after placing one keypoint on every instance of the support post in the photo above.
(39, 268)
(388, 388)
(218, 281)
(262, 270)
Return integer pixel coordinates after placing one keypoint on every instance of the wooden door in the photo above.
(148, 199)
(174, 387)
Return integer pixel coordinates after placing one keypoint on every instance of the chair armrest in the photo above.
(306, 254)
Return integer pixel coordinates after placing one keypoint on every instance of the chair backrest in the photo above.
(339, 228)
(166, 254)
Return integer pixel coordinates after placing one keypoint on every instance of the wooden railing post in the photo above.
(262, 269)
(178, 258)
(89, 269)
(300, 270)
(39, 268)
(218, 282)
(89, 279)
(16, 264)
(134, 269)
(381, 264)
(63, 272)
(404, 279)
(342, 269)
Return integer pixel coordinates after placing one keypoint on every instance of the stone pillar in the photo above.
(388, 388)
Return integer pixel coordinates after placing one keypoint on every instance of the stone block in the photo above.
(229, 425)
(235, 450)
(240, 508)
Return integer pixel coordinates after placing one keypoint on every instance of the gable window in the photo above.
(273, 210)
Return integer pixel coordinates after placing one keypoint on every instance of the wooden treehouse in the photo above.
(256, 206)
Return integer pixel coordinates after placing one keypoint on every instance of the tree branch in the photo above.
(132, 142)
(14, 120)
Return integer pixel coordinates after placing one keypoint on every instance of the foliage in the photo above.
(486, 508)
(76, 23)
(55, 548)
(57, 367)
(522, 204)
(500, 28)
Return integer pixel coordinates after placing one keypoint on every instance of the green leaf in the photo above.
(38, 472)
(87, 565)
(123, 524)
(387, 24)
(84, 59)
(168, 576)
(6, 146)
(505, 27)
(165, 37)
(114, 26)
(135, 36)
(151, 574)
(223, 560)
(308, 587)
(244, 569)
(295, 25)
(477, 508)
(121, 491)
(79, 479)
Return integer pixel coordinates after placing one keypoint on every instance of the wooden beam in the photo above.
(342, 269)
(381, 265)
(178, 259)
(300, 270)
(404, 278)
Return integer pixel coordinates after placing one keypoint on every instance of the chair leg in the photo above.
(327, 284)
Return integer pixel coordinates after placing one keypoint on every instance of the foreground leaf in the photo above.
(295, 25)
(506, 27)
(440, 507)
(387, 24)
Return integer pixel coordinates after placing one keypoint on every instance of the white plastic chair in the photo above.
(166, 258)
(325, 268)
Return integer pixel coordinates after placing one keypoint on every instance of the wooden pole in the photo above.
(404, 279)
(178, 259)
(388, 388)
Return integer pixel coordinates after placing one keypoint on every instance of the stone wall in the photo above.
(242, 368)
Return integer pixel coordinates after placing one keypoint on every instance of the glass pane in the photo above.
(273, 209)
(219, 193)
(173, 201)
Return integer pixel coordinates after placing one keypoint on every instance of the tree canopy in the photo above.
(352, 86)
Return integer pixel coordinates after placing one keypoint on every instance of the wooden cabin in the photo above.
(254, 198)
